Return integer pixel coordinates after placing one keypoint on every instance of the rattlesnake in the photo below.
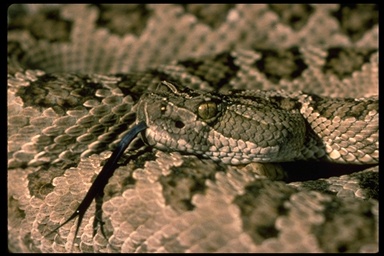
(77, 72)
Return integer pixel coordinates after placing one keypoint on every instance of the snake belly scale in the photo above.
(293, 88)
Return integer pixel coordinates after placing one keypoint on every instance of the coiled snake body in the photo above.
(215, 100)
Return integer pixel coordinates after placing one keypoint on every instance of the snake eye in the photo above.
(207, 110)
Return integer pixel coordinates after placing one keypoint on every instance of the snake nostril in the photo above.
(179, 124)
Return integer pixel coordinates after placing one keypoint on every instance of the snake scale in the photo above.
(291, 87)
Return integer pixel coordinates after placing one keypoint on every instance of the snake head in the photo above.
(229, 128)
(178, 118)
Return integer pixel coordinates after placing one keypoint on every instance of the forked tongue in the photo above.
(102, 179)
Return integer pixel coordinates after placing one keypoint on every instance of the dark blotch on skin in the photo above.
(259, 222)
(185, 181)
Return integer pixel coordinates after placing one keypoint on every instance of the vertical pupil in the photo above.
(207, 110)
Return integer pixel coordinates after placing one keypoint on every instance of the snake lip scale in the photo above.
(196, 128)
